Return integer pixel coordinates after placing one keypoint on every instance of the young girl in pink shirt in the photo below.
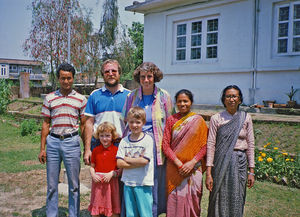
(105, 196)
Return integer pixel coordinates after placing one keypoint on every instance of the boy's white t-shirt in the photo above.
(142, 175)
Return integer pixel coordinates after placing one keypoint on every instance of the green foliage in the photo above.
(5, 93)
(29, 127)
(136, 33)
(129, 52)
(277, 165)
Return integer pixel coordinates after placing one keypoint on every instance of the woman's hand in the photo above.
(209, 180)
(107, 176)
(251, 180)
(187, 167)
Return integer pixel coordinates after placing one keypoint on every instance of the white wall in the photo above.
(234, 64)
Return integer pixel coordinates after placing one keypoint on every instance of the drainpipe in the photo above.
(254, 53)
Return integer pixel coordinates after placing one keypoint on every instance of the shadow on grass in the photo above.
(62, 212)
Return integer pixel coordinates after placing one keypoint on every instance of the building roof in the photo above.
(159, 5)
(20, 62)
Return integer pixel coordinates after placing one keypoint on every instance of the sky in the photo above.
(15, 23)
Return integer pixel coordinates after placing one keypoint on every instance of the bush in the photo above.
(277, 165)
(29, 127)
(5, 93)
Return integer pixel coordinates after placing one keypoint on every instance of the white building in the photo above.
(206, 45)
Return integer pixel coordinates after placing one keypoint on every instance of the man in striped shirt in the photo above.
(62, 111)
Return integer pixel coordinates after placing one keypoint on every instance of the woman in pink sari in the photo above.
(184, 145)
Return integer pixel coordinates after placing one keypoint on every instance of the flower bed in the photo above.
(276, 165)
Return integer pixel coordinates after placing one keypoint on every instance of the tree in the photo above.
(47, 39)
(109, 27)
(129, 51)
(136, 33)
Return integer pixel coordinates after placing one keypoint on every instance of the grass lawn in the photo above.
(19, 154)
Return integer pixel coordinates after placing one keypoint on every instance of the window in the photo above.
(13, 68)
(287, 29)
(196, 39)
(3, 70)
(26, 69)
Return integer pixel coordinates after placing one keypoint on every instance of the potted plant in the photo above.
(291, 103)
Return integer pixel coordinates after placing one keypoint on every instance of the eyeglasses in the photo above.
(232, 96)
(107, 72)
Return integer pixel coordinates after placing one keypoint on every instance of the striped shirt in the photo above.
(64, 111)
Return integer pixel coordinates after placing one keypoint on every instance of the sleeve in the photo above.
(169, 105)
(211, 141)
(166, 142)
(83, 106)
(90, 108)
(148, 144)
(46, 108)
(204, 131)
(125, 108)
(250, 142)
(121, 150)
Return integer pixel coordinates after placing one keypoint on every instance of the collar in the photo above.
(121, 88)
(58, 93)
(140, 92)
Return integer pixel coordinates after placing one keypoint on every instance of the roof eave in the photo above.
(158, 5)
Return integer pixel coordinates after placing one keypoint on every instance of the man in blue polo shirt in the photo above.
(105, 104)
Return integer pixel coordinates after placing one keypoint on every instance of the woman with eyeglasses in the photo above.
(158, 106)
(230, 154)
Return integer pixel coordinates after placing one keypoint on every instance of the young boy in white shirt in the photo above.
(135, 156)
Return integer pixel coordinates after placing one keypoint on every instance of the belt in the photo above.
(62, 137)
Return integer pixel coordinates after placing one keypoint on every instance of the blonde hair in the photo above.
(106, 127)
(136, 112)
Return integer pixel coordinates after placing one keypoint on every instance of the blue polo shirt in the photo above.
(105, 106)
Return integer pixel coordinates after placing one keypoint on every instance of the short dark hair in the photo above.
(111, 61)
(186, 92)
(65, 67)
(148, 67)
(231, 87)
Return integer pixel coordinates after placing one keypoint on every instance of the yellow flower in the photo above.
(275, 148)
(263, 154)
(292, 159)
(269, 159)
(260, 158)
(287, 159)
(284, 153)
(269, 143)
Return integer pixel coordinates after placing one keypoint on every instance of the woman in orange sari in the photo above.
(184, 145)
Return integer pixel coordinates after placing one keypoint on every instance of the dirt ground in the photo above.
(24, 194)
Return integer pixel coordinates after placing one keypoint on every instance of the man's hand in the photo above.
(87, 157)
(42, 156)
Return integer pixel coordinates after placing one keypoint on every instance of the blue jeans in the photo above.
(68, 151)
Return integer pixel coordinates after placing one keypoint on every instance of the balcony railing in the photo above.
(31, 76)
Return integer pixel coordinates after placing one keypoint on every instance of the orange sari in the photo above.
(189, 136)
